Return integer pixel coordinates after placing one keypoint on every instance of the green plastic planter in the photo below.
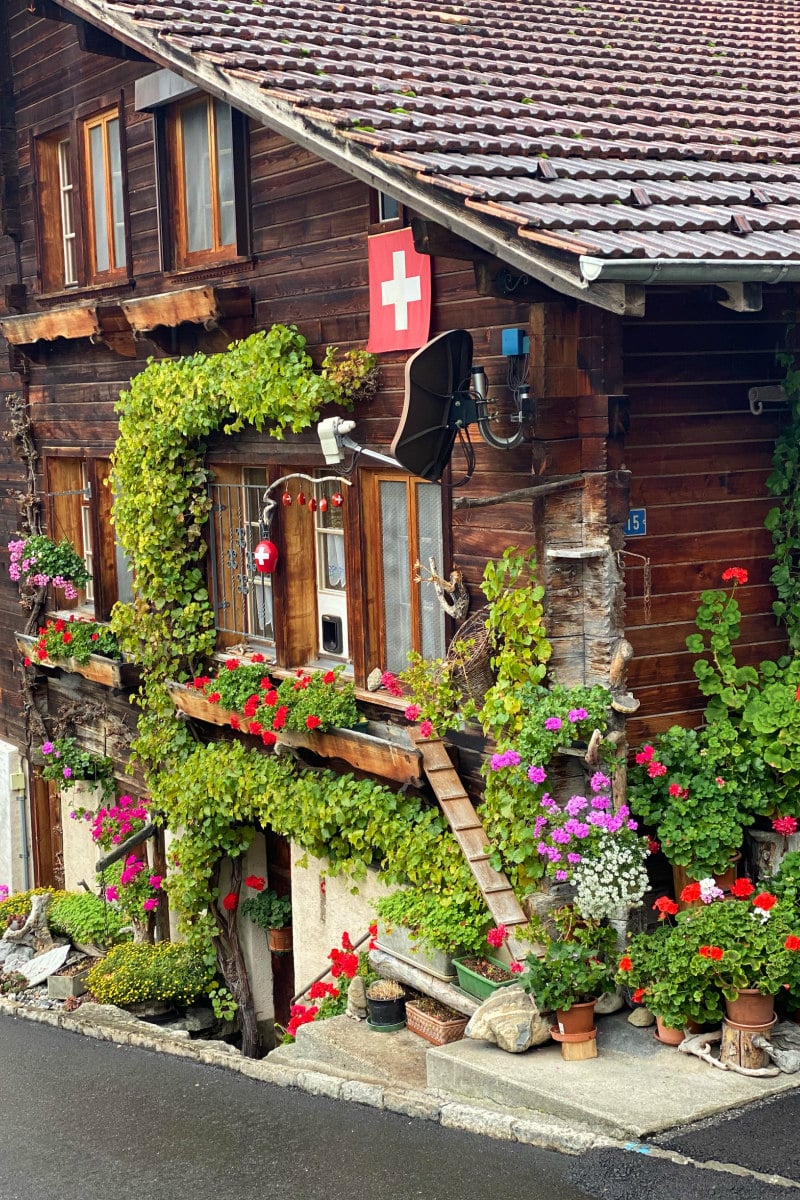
(477, 985)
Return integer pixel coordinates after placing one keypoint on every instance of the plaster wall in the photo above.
(80, 852)
(323, 907)
(13, 822)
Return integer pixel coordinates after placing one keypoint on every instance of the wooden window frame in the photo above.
(44, 140)
(373, 568)
(172, 187)
(118, 270)
(69, 515)
(377, 224)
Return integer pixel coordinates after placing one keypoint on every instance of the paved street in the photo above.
(87, 1120)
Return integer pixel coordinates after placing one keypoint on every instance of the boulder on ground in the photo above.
(511, 1019)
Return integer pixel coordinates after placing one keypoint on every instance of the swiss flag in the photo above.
(399, 293)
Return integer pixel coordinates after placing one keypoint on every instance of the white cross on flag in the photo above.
(399, 293)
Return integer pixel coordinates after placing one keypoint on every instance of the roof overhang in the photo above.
(687, 270)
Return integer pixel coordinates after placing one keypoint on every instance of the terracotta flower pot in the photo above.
(670, 1036)
(750, 1009)
(280, 940)
(578, 1019)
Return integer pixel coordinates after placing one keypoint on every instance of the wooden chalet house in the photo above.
(615, 186)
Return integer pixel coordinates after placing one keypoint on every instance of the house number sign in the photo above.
(636, 525)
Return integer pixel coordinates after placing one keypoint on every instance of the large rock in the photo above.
(511, 1019)
(642, 1018)
(16, 958)
(609, 1002)
(39, 968)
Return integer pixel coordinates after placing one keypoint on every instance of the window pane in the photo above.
(388, 207)
(396, 574)
(197, 177)
(67, 212)
(227, 208)
(99, 211)
(117, 208)
(429, 521)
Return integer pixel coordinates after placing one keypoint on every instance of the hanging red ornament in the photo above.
(266, 556)
(286, 499)
(337, 499)
(323, 504)
(301, 498)
(312, 505)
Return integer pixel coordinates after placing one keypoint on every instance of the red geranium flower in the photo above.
(665, 907)
(792, 942)
(329, 677)
(250, 705)
(269, 738)
(737, 574)
(235, 721)
(313, 722)
(95, 636)
(690, 893)
(742, 888)
(255, 727)
(66, 638)
(256, 882)
(653, 846)
(26, 662)
(639, 995)
(231, 664)
(257, 658)
(625, 964)
(214, 698)
(230, 902)
(765, 901)
(60, 626)
(785, 825)
(645, 755)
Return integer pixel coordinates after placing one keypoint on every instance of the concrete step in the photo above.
(635, 1087)
(341, 1046)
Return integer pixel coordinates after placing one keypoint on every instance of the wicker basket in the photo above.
(433, 1029)
(473, 671)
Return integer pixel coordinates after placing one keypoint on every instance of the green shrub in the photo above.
(136, 972)
(19, 904)
(84, 917)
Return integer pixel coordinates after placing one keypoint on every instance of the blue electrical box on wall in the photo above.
(515, 343)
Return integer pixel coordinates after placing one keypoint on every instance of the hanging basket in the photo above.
(473, 670)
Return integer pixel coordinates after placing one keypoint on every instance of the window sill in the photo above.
(212, 269)
(83, 292)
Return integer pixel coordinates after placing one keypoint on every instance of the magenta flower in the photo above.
(599, 782)
(48, 748)
(515, 968)
(537, 774)
(412, 712)
(155, 881)
(426, 729)
(111, 892)
(495, 937)
(67, 772)
(150, 905)
(553, 724)
(577, 714)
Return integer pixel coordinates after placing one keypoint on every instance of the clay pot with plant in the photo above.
(270, 912)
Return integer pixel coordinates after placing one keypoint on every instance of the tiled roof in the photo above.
(634, 129)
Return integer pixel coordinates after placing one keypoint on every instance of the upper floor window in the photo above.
(203, 171)
(104, 194)
(81, 203)
(79, 509)
(403, 517)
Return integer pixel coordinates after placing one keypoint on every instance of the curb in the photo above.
(408, 1102)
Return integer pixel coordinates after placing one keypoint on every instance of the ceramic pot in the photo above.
(750, 1010)
(578, 1019)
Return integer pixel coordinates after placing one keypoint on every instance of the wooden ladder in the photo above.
(471, 837)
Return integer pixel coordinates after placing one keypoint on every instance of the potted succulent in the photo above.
(271, 912)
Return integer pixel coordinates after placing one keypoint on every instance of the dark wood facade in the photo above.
(651, 410)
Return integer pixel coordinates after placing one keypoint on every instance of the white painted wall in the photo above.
(323, 907)
(80, 852)
(14, 822)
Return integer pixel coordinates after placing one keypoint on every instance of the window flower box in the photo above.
(374, 754)
(109, 672)
(472, 981)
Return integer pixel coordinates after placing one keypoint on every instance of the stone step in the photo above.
(343, 1046)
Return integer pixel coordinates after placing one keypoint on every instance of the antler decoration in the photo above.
(457, 606)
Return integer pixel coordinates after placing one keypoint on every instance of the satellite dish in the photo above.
(437, 404)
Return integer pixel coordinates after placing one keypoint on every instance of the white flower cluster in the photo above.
(612, 878)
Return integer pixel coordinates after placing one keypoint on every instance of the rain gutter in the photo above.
(687, 270)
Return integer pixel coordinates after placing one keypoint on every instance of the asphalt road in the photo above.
(87, 1120)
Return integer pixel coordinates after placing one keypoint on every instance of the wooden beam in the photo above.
(206, 305)
(527, 493)
(430, 238)
(496, 278)
(76, 321)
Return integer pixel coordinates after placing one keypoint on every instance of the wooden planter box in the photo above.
(108, 671)
(374, 755)
(59, 987)
(435, 1030)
